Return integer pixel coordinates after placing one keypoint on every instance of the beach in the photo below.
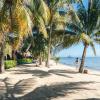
(49, 49)
(58, 82)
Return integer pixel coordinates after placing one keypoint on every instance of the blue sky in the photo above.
(76, 51)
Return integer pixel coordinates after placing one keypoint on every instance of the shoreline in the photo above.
(74, 68)
(90, 62)
(86, 67)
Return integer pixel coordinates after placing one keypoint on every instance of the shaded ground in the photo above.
(56, 83)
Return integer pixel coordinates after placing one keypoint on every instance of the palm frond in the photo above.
(82, 14)
(41, 14)
(67, 42)
(74, 28)
(4, 21)
(39, 22)
(96, 37)
(94, 11)
(93, 48)
(44, 11)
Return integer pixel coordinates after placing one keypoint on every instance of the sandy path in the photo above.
(59, 82)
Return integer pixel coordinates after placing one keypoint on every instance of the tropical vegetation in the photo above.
(87, 26)
(44, 26)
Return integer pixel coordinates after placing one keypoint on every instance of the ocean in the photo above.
(90, 62)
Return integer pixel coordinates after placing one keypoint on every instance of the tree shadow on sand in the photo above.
(20, 88)
(27, 69)
(43, 73)
(53, 91)
(28, 91)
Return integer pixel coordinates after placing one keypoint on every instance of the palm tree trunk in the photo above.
(2, 69)
(81, 69)
(49, 49)
(40, 59)
(13, 54)
(49, 40)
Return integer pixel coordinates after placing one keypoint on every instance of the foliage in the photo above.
(85, 21)
(47, 19)
(39, 49)
(86, 24)
(8, 49)
(25, 61)
(14, 21)
(41, 15)
(10, 64)
(56, 59)
(36, 45)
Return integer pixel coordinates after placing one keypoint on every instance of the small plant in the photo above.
(25, 61)
(56, 60)
(10, 64)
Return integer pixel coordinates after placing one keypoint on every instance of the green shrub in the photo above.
(25, 61)
(10, 64)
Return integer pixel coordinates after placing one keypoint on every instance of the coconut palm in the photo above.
(14, 21)
(87, 27)
(45, 16)
(90, 20)
(57, 26)
(41, 14)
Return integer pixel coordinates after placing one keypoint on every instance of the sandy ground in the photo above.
(59, 82)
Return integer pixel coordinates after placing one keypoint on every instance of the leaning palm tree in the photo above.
(14, 21)
(90, 21)
(87, 27)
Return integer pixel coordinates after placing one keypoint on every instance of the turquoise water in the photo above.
(90, 62)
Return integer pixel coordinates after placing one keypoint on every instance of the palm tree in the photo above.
(90, 21)
(57, 23)
(44, 17)
(87, 27)
(14, 20)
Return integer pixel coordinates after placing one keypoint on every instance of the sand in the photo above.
(58, 82)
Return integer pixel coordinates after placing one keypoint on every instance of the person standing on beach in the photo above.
(77, 63)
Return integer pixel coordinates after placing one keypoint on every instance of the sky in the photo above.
(77, 50)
